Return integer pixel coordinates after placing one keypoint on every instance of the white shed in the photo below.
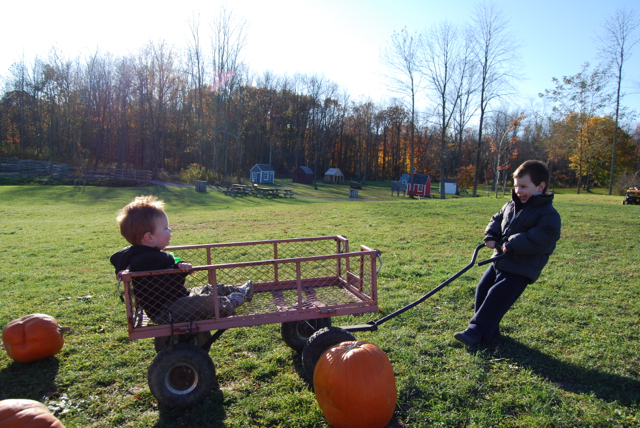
(450, 186)
(334, 176)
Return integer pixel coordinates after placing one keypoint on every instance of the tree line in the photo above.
(200, 108)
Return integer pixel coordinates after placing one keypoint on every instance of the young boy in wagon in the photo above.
(164, 298)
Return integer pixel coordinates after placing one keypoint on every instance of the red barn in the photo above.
(303, 174)
(421, 185)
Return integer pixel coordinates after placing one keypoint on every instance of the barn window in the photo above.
(419, 188)
(265, 176)
(253, 177)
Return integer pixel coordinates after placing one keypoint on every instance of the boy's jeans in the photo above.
(199, 304)
(497, 291)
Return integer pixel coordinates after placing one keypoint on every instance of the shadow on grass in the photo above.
(299, 368)
(571, 377)
(208, 414)
(29, 380)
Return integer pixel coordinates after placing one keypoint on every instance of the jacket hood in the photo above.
(122, 259)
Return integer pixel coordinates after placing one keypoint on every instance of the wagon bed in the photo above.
(293, 279)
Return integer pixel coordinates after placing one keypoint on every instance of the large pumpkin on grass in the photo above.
(23, 413)
(33, 337)
(355, 386)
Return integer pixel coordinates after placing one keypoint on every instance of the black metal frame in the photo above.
(373, 325)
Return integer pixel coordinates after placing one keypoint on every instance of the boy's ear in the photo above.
(147, 238)
(542, 186)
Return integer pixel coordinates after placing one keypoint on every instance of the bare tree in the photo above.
(616, 43)
(441, 61)
(496, 52)
(196, 72)
(228, 39)
(164, 83)
(467, 106)
(401, 57)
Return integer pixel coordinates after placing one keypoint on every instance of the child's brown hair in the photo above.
(138, 218)
(536, 170)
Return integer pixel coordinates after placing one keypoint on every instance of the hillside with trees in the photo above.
(201, 109)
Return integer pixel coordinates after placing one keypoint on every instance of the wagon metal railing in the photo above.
(293, 279)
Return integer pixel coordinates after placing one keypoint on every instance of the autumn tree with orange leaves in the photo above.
(505, 151)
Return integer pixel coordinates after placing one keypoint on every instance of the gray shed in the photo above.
(262, 173)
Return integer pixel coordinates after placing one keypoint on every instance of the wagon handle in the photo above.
(373, 325)
(379, 256)
(492, 259)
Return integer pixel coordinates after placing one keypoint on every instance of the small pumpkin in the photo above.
(22, 413)
(33, 337)
(355, 386)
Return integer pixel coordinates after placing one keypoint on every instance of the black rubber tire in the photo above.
(296, 333)
(318, 343)
(199, 339)
(181, 375)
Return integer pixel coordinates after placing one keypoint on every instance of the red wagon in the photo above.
(299, 283)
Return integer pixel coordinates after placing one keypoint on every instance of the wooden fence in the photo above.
(10, 167)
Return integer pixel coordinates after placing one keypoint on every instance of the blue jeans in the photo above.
(497, 291)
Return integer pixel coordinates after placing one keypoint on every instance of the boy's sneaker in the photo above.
(467, 337)
(248, 290)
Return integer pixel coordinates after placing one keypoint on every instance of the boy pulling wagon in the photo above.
(526, 229)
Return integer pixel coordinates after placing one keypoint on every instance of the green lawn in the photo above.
(569, 355)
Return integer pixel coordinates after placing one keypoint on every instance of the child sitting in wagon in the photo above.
(164, 298)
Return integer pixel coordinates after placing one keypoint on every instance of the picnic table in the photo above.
(267, 191)
(273, 191)
(239, 189)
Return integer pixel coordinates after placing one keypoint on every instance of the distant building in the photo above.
(303, 174)
(421, 185)
(450, 186)
(334, 176)
(262, 173)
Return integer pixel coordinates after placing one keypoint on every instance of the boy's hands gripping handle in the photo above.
(492, 259)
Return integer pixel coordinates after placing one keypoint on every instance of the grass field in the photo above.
(569, 355)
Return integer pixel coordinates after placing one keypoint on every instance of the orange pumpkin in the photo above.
(355, 386)
(33, 337)
(22, 413)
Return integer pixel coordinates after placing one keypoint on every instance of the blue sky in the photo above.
(340, 39)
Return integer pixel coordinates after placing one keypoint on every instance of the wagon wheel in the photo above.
(198, 339)
(318, 343)
(181, 375)
(296, 333)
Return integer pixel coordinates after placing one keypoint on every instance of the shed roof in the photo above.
(420, 178)
(263, 167)
(306, 169)
(333, 171)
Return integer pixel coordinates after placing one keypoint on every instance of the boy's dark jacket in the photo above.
(531, 234)
(152, 292)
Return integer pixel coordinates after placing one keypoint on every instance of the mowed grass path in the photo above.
(569, 355)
